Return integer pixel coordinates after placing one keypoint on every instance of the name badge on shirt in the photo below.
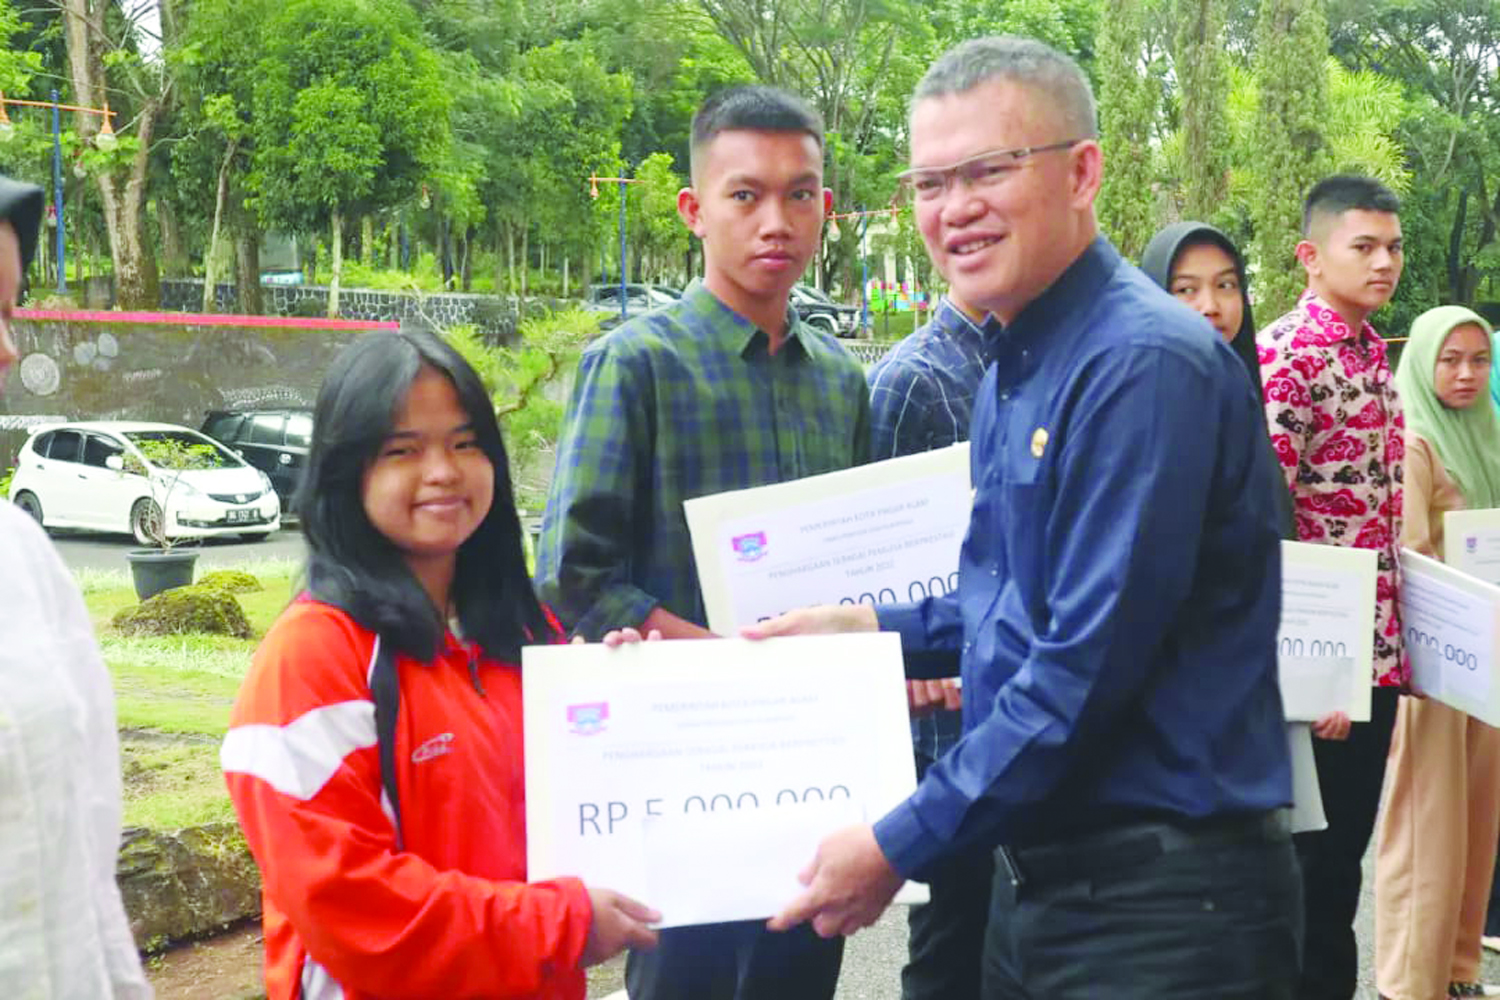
(1038, 442)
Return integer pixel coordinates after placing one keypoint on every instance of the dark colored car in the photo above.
(817, 309)
(274, 441)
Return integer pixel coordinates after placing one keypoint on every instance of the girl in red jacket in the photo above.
(413, 542)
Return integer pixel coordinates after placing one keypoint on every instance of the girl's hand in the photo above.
(621, 636)
(615, 638)
(619, 923)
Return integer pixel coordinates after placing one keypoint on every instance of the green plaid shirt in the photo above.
(682, 402)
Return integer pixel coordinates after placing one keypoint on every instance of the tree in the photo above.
(1291, 153)
(1443, 54)
(217, 60)
(25, 150)
(102, 45)
(658, 235)
(350, 114)
(1128, 102)
(1198, 62)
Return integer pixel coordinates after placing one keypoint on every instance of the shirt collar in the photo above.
(732, 332)
(1076, 289)
(954, 324)
(1327, 326)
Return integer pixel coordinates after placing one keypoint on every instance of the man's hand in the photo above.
(1333, 726)
(849, 885)
(820, 620)
(927, 697)
(619, 923)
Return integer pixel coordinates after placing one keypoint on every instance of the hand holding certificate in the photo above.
(882, 533)
(1324, 644)
(699, 777)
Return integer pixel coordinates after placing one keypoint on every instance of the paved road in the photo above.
(81, 550)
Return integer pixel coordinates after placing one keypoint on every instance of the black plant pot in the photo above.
(155, 570)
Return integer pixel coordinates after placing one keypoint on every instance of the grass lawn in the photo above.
(172, 698)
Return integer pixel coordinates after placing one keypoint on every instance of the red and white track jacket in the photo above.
(347, 915)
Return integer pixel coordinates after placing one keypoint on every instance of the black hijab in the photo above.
(1162, 252)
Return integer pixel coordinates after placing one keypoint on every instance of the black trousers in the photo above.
(1492, 916)
(1350, 773)
(946, 945)
(1213, 917)
(737, 961)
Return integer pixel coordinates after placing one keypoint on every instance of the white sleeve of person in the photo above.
(63, 930)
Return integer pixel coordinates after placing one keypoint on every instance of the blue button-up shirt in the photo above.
(922, 398)
(1119, 587)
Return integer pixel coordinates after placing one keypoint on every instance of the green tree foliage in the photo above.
(1128, 102)
(1202, 75)
(466, 131)
(349, 115)
(1443, 57)
(1291, 152)
(17, 67)
(658, 233)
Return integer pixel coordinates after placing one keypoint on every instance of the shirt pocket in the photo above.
(1018, 498)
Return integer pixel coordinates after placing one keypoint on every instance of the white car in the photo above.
(96, 475)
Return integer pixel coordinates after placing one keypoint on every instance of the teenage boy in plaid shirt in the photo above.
(723, 390)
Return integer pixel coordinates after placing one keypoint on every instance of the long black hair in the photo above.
(353, 566)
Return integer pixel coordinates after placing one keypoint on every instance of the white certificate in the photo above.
(882, 533)
(1471, 539)
(1325, 644)
(1450, 622)
(699, 776)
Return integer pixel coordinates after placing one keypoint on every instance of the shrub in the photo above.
(233, 580)
(197, 608)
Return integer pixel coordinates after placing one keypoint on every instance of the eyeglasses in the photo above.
(986, 170)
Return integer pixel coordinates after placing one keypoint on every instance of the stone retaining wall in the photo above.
(125, 366)
(494, 315)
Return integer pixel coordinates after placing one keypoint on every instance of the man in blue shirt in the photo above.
(1119, 591)
(922, 398)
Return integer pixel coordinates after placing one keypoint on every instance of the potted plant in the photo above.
(163, 566)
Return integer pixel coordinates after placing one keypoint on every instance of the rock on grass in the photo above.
(198, 608)
(186, 883)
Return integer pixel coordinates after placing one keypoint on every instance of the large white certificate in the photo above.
(699, 776)
(1450, 622)
(1471, 539)
(1326, 641)
(881, 533)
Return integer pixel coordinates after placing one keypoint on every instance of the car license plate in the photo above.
(240, 515)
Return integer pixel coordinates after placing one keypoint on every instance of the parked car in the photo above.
(817, 309)
(638, 299)
(637, 295)
(274, 441)
(96, 475)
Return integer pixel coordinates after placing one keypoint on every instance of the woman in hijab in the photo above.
(1435, 852)
(1200, 266)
